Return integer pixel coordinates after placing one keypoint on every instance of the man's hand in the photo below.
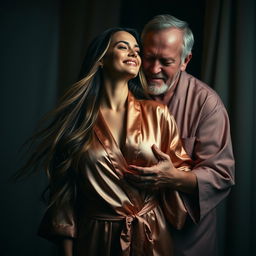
(161, 175)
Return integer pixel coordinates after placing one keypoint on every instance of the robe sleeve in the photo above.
(172, 203)
(58, 222)
(213, 157)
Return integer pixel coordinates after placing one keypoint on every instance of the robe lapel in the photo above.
(133, 135)
(109, 144)
(131, 150)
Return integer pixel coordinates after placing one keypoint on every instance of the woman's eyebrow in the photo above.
(125, 42)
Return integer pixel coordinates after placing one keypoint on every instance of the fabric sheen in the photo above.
(114, 218)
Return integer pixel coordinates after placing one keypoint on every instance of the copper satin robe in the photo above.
(115, 218)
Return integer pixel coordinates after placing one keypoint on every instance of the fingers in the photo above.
(138, 178)
(141, 182)
(159, 154)
(144, 171)
(140, 175)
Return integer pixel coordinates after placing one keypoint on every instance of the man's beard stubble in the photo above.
(155, 90)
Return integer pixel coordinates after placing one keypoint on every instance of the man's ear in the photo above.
(186, 61)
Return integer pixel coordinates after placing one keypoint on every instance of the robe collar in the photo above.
(133, 131)
(116, 156)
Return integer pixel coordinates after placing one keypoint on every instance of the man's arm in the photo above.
(162, 175)
(213, 171)
(214, 160)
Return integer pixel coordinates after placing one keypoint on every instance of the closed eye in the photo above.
(122, 47)
(167, 62)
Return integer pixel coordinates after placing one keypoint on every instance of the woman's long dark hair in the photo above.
(58, 148)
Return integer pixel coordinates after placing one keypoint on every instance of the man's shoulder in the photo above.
(207, 99)
(199, 90)
(197, 85)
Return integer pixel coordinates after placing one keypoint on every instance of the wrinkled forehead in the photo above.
(163, 41)
(164, 37)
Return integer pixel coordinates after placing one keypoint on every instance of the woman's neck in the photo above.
(114, 94)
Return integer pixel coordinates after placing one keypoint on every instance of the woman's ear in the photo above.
(101, 63)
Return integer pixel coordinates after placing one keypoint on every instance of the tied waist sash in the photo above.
(136, 235)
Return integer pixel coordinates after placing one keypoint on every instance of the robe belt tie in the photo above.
(136, 235)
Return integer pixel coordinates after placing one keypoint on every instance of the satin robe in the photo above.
(113, 217)
(203, 125)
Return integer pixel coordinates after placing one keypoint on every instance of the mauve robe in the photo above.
(203, 125)
(112, 217)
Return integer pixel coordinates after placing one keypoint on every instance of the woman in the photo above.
(98, 130)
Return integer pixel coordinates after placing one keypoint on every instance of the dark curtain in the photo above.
(42, 47)
(81, 21)
(136, 13)
(29, 57)
(229, 66)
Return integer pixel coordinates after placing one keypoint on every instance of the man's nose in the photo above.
(155, 67)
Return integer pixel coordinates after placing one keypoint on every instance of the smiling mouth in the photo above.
(130, 62)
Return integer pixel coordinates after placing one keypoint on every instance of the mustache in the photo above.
(158, 76)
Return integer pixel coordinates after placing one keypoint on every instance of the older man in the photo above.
(204, 128)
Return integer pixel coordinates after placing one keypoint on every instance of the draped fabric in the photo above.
(123, 219)
(80, 22)
(204, 128)
(229, 66)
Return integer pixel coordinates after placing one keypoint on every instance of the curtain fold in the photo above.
(29, 59)
(229, 66)
(80, 22)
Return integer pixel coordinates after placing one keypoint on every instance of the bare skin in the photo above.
(66, 247)
(120, 64)
(113, 110)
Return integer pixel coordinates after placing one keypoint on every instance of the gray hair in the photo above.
(166, 21)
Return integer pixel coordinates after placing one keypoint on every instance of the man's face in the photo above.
(162, 59)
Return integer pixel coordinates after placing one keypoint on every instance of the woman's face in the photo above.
(122, 59)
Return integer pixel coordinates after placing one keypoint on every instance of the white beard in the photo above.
(154, 89)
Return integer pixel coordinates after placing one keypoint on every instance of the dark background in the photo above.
(191, 11)
(42, 45)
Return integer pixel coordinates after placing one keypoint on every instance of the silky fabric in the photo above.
(112, 217)
(203, 125)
